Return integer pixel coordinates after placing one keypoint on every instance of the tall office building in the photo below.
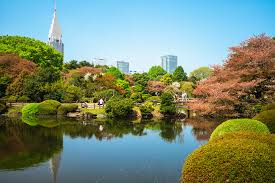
(169, 63)
(55, 34)
(123, 66)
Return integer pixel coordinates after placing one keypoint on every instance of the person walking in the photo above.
(101, 103)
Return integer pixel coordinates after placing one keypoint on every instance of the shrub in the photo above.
(167, 105)
(235, 125)
(137, 97)
(145, 96)
(30, 109)
(66, 108)
(154, 98)
(48, 107)
(146, 110)
(23, 99)
(234, 160)
(2, 108)
(12, 98)
(268, 107)
(118, 107)
(254, 136)
(268, 118)
(43, 108)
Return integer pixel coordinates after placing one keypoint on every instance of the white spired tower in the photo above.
(55, 34)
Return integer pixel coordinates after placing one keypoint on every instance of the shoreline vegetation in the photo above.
(241, 149)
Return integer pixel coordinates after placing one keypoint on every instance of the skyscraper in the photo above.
(55, 34)
(123, 66)
(169, 63)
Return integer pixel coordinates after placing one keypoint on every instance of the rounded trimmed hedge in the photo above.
(268, 118)
(47, 107)
(66, 108)
(234, 125)
(230, 160)
(262, 138)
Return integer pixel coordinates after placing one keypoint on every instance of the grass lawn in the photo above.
(94, 111)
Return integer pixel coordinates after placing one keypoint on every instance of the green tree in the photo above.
(141, 79)
(119, 107)
(72, 94)
(156, 71)
(179, 74)
(34, 85)
(32, 50)
(201, 73)
(115, 72)
(4, 82)
(123, 84)
(167, 105)
(166, 79)
(84, 63)
(72, 64)
(187, 87)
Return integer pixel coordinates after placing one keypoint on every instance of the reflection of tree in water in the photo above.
(168, 130)
(23, 146)
(202, 128)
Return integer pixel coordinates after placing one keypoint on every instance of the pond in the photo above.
(70, 150)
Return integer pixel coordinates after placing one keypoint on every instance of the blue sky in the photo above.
(199, 32)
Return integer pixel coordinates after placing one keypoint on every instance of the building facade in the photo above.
(169, 63)
(123, 66)
(55, 34)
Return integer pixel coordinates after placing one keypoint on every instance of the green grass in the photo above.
(235, 125)
(94, 111)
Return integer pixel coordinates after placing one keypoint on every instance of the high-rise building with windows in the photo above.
(55, 34)
(169, 63)
(123, 66)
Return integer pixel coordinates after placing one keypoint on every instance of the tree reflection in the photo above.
(202, 128)
(24, 146)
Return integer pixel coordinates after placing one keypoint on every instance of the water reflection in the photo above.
(22, 146)
(32, 142)
(202, 128)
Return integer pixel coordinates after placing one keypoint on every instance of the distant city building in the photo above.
(55, 34)
(123, 66)
(169, 63)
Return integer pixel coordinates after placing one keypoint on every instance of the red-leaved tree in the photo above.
(245, 79)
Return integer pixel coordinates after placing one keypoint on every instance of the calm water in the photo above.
(67, 150)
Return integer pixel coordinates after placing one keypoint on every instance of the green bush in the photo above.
(268, 107)
(145, 96)
(154, 98)
(254, 136)
(118, 107)
(137, 97)
(48, 107)
(146, 110)
(234, 160)
(23, 99)
(12, 98)
(30, 109)
(235, 125)
(167, 105)
(66, 108)
(268, 118)
(2, 108)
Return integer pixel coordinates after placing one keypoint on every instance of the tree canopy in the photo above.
(115, 72)
(32, 50)
(156, 71)
(179, 74)
(201, 73)
(244, 80)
